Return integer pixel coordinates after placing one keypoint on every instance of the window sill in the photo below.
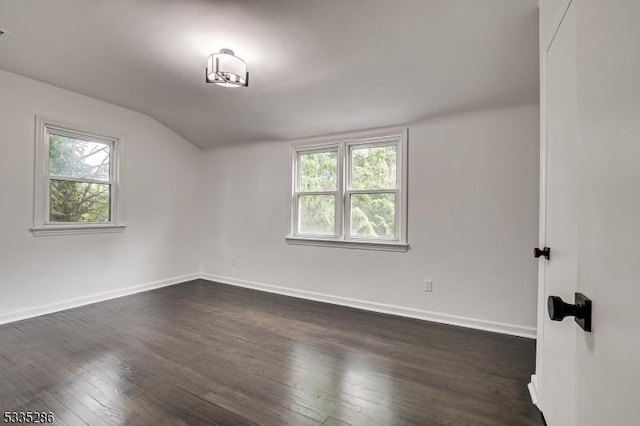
(76, 230)
(349, 244)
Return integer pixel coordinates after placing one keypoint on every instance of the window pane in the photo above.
(373, 168)
(79, 202)
(373, 215)
(318, 171)
(316, 214)
(77, 158)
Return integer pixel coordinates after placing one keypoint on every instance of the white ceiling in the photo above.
(316, 66)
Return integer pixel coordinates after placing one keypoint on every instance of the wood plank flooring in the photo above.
(205, 353)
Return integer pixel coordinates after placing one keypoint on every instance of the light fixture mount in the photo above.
(227, 70)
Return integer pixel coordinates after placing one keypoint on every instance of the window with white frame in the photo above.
(77, 179)
(351, 192)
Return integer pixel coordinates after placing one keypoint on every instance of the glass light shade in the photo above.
(226, 69)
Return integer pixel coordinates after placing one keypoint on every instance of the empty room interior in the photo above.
(320, 212)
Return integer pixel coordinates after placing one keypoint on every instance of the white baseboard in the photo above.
(497, 327)
(479, 324)
(533, 390)
(94, 298)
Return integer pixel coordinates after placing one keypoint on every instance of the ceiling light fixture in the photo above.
(226, 69)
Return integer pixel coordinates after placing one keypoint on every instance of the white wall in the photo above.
(162, 187)
(473, 221)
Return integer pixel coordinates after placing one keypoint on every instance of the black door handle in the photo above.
(581, 310)
(546, 252)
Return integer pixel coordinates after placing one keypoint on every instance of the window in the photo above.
(77, 180)
(351, 193)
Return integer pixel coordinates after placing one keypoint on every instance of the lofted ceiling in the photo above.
(316, 66)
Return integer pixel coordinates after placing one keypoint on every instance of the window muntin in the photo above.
(364, 201)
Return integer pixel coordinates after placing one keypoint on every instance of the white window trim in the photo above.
(343, 143)
(41, 224)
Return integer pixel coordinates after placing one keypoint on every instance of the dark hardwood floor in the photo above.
(204, 353)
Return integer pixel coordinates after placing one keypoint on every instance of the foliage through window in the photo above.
(318, 179)
(79, 178)
(372, 191)
(350, 191)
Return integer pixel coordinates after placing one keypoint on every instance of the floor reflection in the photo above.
(329, 383)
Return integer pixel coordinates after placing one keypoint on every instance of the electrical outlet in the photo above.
(428, 285)
(233, 261)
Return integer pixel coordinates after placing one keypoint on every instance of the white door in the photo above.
(556, 378)
(593, 216)
(608, 359)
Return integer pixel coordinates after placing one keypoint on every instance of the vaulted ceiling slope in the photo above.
(316, 66)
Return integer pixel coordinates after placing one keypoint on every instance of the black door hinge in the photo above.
(546, 252)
